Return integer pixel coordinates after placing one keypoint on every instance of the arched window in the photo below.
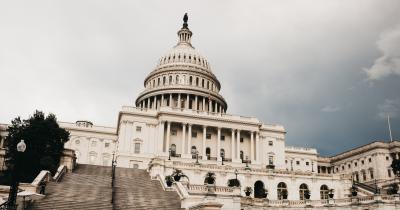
(177, 79)
(208, 85)
(364, 175)
(208, 153)
(137, 148)
(324, 191)
(170, 80)
(303, 188)
(190, 80)
(282, 191)
(193, 152)
(92, 157)
(173, 150)
(158, 81)
(197, 81)
(202, 83)
(163, 81)
(259, 190)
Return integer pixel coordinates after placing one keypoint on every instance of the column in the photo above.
(252, 146)
(196, 103)
(209, 105)
(233, 156)
(148, 102)
(204, 104)
(258, 147)
(161, 137)
(162, 99)
(179, 100)
(168, 136)
(238, 145)
(183, 139)
(189, 144)
(187, 101)
(219, 144)
(155, 102)
(170, 100)
(215, 106)
(204, 142)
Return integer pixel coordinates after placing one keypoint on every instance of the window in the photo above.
(208, 135)
(282, 191)
(241, 155)
(106, 144)
(348, 166)
(193, 152)
(270, 143)
(137, 148)
(303, 188)
(222, 138)
(387, 157)
(297, 162)
(173, 150)
(92, 157)
(389, 173)
(307, 163)
(222, 153)
(138, 128)
(241, 139)
(355, 164)
(342, 167)
(194, 134)
(371, 173)
(362, 162)
(364, 175)
(208, 153)
(271, 160)
(173, 132)
(369, 160)
(324, 191)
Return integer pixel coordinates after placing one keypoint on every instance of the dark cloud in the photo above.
(327, 71)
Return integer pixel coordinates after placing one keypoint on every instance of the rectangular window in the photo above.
(138, 128)
(222, 138)
(307, 163)
(362, 162)
(349, 166)
(173, 132)
(194, 134)
(297, 162)
(271, 160)
(208, 135)
(371, 173)
(342, 167)
(389, 173)
(137, 148)
(106, 144)
(387, 157)
(270, 143)
(241, 139)
(369, 160)
(355, 164)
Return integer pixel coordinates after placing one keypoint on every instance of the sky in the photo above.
(328, 71)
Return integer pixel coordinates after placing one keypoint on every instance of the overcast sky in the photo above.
(329, 71)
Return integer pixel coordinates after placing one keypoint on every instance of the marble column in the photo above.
(233, 156)
(209, 105)
(258, 157)
(148, 102)
(162, 99)
(215, 106)
(170, 100)
(179, 101)
(154, 103)
(161, 137)
(238, 145)
(167, 146)
(204, 104)
(252, 146)
(187, 101)
(204, 142)
(183, 138)
(189, 144)
(219, 144)
(196, 102)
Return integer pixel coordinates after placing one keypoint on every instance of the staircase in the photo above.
(365, 189)
(88, 187)
(135, 190)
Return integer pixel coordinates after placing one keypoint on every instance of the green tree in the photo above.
(44, 144)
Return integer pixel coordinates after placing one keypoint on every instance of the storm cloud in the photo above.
(326, 70)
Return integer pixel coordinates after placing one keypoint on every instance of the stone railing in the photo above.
(248, 201)
(219, 190)
(62, 169)
(300, 149)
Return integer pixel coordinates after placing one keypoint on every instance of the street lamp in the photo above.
(169, 154)
(12, 196)
(236, 173)
(222, 158)
(197, 157)
(247, 162)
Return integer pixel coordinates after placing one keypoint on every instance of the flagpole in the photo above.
(390, 130)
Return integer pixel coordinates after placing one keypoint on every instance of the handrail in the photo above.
(366, 187)
(62, 169)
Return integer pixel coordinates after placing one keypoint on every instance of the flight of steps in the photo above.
(88, 187)
(134, 189)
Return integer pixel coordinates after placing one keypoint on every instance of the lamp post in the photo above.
(12, 196)
(169, 154)
(197, 157)
(222, 158)
(247, 162)
(236, 173)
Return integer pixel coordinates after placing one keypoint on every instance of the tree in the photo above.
(44, 144)
(396, 166)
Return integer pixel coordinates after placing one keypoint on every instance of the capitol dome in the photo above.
(182, 79)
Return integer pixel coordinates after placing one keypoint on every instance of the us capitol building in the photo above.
(180, 121)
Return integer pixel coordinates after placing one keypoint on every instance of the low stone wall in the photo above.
(68, 159)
